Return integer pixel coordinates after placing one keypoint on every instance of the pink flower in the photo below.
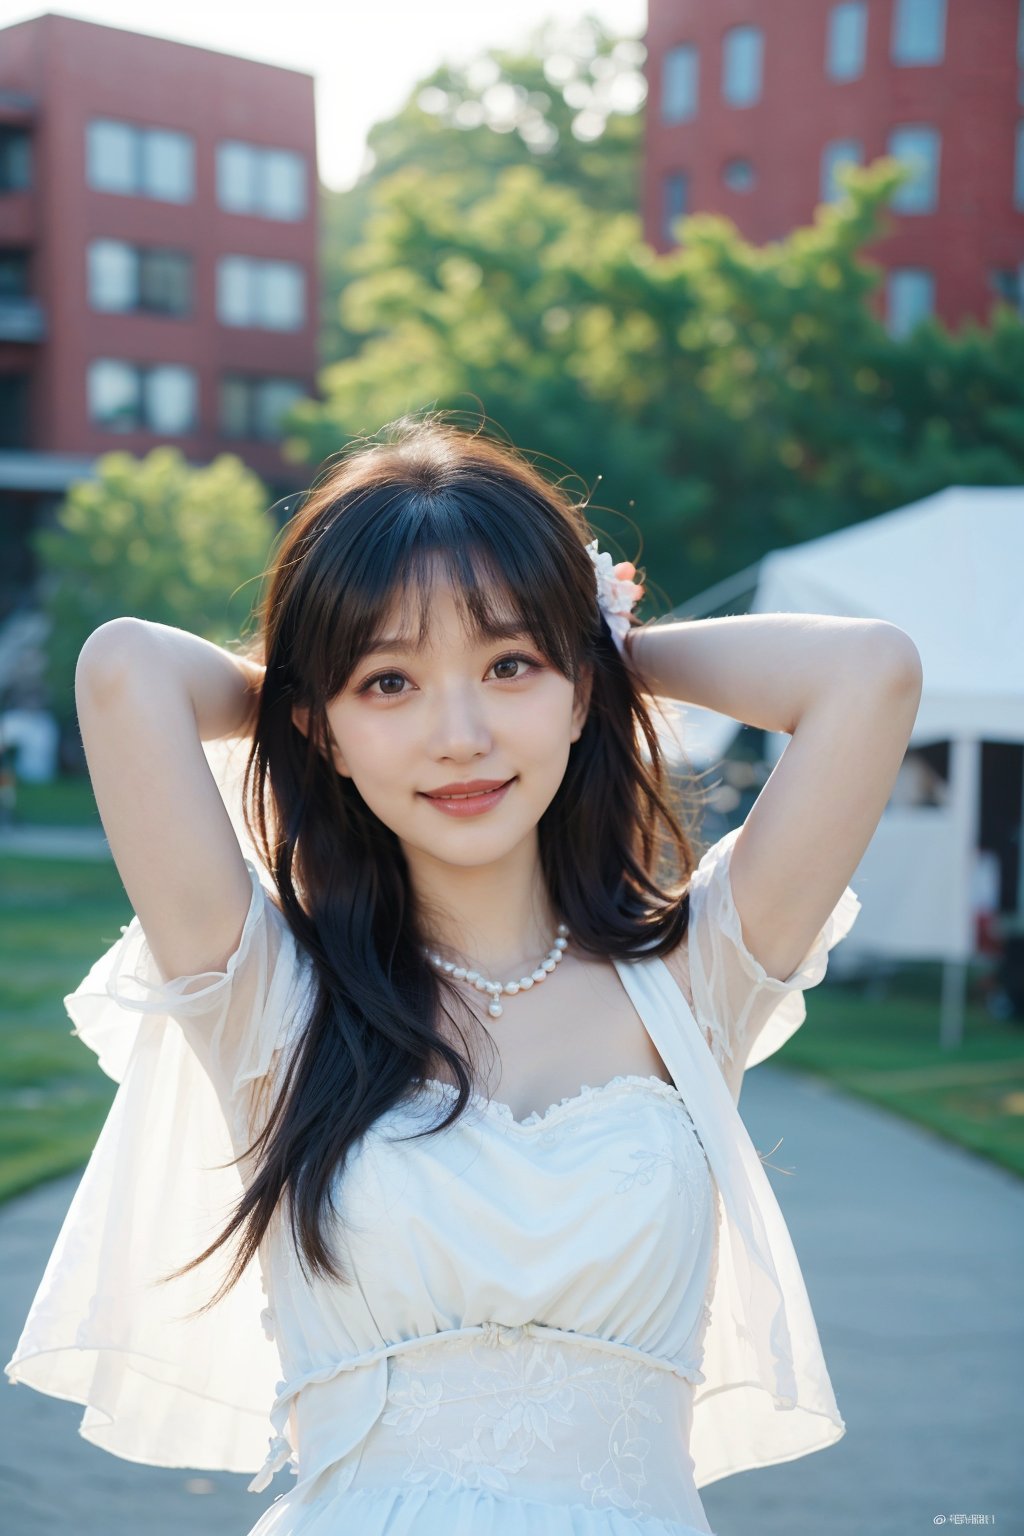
(617, 592)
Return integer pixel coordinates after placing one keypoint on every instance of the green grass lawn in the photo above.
(887, 1050)
(67, 802)
(57, 917)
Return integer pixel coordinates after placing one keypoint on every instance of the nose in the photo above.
(461, 729)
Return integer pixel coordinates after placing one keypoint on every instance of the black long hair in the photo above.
(370, 530)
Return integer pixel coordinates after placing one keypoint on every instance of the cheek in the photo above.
(367, 740)
(546, 723)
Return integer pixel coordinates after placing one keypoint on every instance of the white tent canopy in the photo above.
(948, 570)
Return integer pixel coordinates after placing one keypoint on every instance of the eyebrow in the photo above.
(510, 631)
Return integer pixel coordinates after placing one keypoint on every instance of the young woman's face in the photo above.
(411, 721)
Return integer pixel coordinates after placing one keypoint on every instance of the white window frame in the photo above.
(680, 84)
(105, 136)
(176, 375)
(287, 203)
(167, 171)
(846, 45)
(142, 380)
(918, 32)
(104, 373)
(743, 65)
(102, 285)
(250, 181)
(236, 169)
(142, 144)
(835, 153)
(103, 279)
(920, 194)
(246, 293)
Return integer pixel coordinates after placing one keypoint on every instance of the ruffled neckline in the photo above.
(585, 1096)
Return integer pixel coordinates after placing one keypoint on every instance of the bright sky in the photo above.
(365, 57)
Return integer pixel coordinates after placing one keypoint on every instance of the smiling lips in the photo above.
(465, 788)
(461, 800)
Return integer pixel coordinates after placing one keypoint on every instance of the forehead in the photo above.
(431, 614)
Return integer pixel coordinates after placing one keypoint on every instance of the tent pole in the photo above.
(965, 796)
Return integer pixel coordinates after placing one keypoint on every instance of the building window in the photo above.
(14, 410)
(165, 282)
(128, 397)
(254, 407)
(113, 275)
(918, 31)
(839, 152)
(270, 295)
(1018, 170)
(167, 169)
(127, 279)
(679, 84)
(111, 158)
(675, 196)
(847, 40)
(268, 182)
(140, 162)
(14, 274)
(910, 296)
(742, 58)
(1008, 284)
(15, 159)
(738, 175)
(169, 399)
(918, 148)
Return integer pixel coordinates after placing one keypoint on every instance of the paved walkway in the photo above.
(913, 1253)
(55, 842)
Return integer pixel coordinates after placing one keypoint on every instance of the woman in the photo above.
(456, 1039)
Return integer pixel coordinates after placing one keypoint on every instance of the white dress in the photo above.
(561, 1326)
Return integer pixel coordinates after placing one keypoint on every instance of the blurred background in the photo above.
(748, 272)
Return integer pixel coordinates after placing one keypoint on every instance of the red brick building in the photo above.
(752, 104)
(158, 259)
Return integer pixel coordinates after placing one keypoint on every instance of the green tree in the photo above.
(156, 539)
(569, 103)
(731, 398)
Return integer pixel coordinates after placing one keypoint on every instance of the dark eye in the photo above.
(523, 662)
(530, 665)
(379, 677)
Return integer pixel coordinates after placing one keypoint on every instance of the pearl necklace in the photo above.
(496, 988)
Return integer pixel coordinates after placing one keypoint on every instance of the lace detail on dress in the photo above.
(690, 1171)
(584, 1100)
(509, 1404)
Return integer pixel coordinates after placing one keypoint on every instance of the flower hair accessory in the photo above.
(617, 592)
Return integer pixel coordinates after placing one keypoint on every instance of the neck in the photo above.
(497, 919)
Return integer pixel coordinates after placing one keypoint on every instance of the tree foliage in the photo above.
(157, 539)
(733, 398)
(569, 104)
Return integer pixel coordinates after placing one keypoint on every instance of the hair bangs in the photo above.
(504, 576)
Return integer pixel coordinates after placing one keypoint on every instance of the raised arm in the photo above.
(148, 695)
(847, 691)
